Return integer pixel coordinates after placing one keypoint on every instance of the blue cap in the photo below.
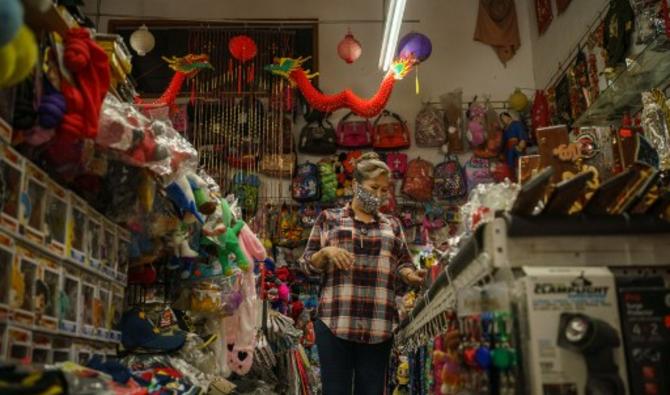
(137, 331)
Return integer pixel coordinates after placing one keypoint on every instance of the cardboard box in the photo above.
(49, 291)
(86, 307)
(123, 254)
(94, 238)
(77, 225)
(25, 276)
(7, 253)
(105, 298)
(17, 344)
(12, 166)
(549, 292)
(32, 214)
(108, 253)
(56, 218)
(69, 322)
(62, 350)
(42, 349)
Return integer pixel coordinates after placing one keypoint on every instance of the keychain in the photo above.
(504, 356)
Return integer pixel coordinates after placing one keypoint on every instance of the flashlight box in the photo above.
(645, 321)
(549, 292)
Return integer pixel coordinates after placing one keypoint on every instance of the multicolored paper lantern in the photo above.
(349, 48)
(243, 48)
(416, 46)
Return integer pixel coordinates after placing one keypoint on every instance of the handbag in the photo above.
(390, 135)
(354, 133)
(317, 138)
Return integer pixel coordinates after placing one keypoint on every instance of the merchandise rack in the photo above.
(501, 248)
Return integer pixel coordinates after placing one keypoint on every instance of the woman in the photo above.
(363, 259)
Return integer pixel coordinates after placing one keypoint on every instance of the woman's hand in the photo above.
(341, 259)
(414, 278)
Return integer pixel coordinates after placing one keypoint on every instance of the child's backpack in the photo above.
(397, 162)
(477, 171)
(245, 188)
(391, 205)
(306, 186)
(449, 180)
(328, 181)
(429, 128)
(418, 182)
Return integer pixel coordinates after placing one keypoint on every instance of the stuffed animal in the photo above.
(402, 375)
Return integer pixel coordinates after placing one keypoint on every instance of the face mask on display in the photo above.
(369, 201)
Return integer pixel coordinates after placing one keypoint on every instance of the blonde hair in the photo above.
(370, 166)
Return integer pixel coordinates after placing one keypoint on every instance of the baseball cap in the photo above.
(139, 332)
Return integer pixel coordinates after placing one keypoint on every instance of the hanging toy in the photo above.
(415, 46)
(518, 101)
(292, 70)
(243, 48)
(349, 48)
(402, 375)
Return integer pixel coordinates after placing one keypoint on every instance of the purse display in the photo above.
(356, 133)
(390, 135)
(318, 138)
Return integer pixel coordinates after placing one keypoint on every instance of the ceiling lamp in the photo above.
(142, 41)
(349, 48)
(394, 17)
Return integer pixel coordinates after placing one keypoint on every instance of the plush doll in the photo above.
(477, 124)
(402, 376)
(180, 192)
(201, 194)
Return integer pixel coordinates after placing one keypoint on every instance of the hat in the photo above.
(139, 332)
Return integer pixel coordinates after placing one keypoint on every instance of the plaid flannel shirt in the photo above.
(359, 304)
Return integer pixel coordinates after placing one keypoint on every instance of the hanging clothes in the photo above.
(497, 26)
(544, 15)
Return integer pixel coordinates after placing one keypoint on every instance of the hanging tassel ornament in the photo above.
(417, 86)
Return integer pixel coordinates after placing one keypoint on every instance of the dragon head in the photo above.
(190, 64)
(284, 66)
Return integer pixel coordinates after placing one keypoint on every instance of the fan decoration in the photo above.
(292, 70)
(243, 48)
(415, 46)
(349, 48)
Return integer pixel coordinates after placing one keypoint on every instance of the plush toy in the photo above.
(11, 18)
(181, 194)
(201, 194)
(402, 376)
(18, 57)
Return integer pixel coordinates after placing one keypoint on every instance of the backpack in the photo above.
(349, 161)
(354, 133)
(392, 203)
(245, 188)
(317, 138)
(397, 162)
(306, 186)
(449, 180)
(477, 171)
(418, 182)
(430, 129)
(390, 135)
(328, 181)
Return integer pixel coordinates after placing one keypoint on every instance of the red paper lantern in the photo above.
(349, 48)
(242, 47)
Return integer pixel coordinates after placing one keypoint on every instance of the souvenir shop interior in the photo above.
(168, 169)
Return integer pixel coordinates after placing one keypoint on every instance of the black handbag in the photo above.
(318, 138)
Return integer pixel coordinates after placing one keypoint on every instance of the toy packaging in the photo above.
(569, 324)
(56, 218)
(108, 252)
(16, 344)
(25, 275)
(62, 350)
(77, 224)
(33, 204)
(94, 238)
(42, 349)
(69, 302)
(87, 307)
(105, 319)
(7, 251)
(11, 170)
(123, 257)
(47, 292)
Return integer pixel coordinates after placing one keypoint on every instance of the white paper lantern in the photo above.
(142, 40)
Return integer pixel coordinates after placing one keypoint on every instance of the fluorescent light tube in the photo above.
(394, 18)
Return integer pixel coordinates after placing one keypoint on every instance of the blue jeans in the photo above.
(348, 367)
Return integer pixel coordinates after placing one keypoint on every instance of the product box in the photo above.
(47, 294)
(32, 214)
(62, 350)
(56, 218)
(116, 311)
(12, 166)
(123, 254)
(77, 226)
(25, 276)
(82, 352)
(7, 297)
(105, 321)
(108, 253)
(17, 344)
(94, 238)
(645, 321)
(87, 307)
(69, 321)
(550, 292)
(42, 349)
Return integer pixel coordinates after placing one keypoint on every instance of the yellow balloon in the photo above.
(26, 56)
(518, 101)
(7, 62)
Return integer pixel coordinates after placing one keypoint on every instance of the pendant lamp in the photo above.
(142, 41)
(349, 48)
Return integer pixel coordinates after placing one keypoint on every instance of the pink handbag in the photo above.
(354, 133)
(397, 162)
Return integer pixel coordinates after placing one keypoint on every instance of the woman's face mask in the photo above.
(370, 200)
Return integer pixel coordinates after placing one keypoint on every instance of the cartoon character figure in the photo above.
(402, 376)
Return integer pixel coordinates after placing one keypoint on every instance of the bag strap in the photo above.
(387, 113)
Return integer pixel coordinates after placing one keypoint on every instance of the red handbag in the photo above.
(354, 133)
(390, 135)
(397, 162)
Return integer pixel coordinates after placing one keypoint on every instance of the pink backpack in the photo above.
(397, 162)
(478, 171)
(354, 133)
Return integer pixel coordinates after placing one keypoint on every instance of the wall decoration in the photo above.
(349, 48)
(497, 26)
(544, 15)
(292, 70)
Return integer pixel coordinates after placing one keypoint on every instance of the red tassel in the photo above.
(239, 79)
(230, 67)
(192, 93)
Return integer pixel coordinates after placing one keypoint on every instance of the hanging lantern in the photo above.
(142, 41)
(415, 45)
(518, 101)
(243, 48)
(349, 48)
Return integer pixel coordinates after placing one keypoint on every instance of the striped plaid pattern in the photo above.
(359, 304)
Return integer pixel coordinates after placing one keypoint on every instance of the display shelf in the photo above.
(650, 69)
(42, 249)
(47, 331)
